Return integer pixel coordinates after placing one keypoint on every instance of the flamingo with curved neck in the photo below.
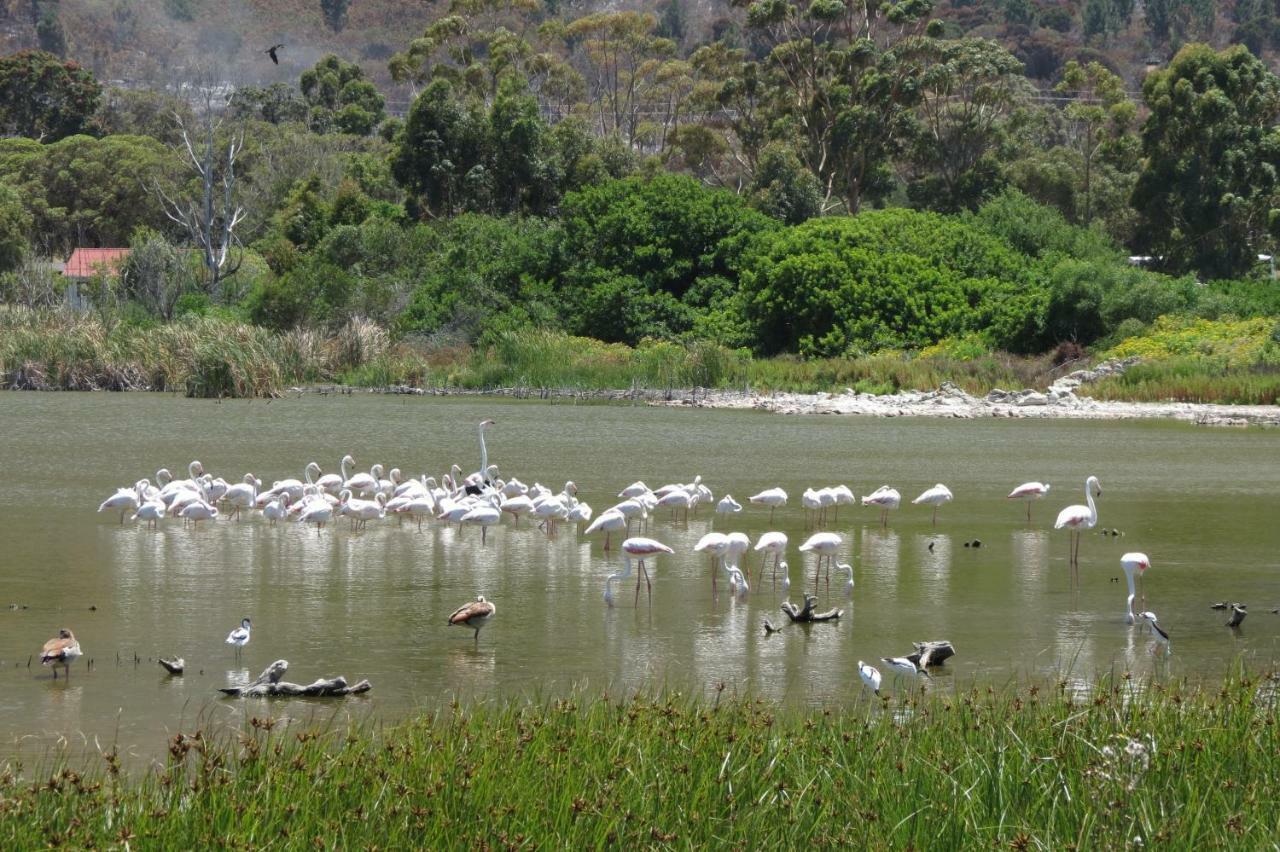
(484, 451)
(1131, 562)
(1079, 518)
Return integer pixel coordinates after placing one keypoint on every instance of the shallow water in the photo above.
(1202, 503)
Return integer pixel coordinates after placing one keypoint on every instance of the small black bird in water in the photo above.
(931, 547)
(271, 51)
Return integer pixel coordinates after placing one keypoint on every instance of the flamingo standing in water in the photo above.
(935, 497)
(638, 547)
(1078, 518)
(124, 500)
(775, 544)
(886, 498)
(825, 544)
(771, 497)
(715, 545)
(1131, 562)
(1029, 491)
(610, 521)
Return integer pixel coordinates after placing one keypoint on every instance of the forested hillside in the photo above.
(813, 179)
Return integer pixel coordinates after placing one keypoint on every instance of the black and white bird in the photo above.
(61, 651)
(475, 615)
(1162, 636)
(271, 51)
(240, 636)
(903, 666)
(870, 676)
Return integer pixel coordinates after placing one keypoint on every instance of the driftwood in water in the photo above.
(807, 615)
(931, 653)
(173, 666)
(269, 684)
(1238, 611)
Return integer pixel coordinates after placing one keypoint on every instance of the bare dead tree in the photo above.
(211, 217)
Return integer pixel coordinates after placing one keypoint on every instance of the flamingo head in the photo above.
(485, 424)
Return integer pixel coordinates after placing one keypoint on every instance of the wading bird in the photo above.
(775, 544)
(771, 497)
(475, 615)
(715, 545)
(1131, 562)
(62, 651)
(886, 498)
(124, 500)
(1162, 638)
(935, 497)
(1078, 518)
(847, 569)
(1029, 491)
(610, 521)
(870, 676)
(825, 544)
(240, 636)
(639, 547)
(903, 666)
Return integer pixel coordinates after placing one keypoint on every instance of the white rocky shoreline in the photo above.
(1062, 400)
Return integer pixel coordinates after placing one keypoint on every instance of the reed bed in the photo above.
(1024, 766)
(1193, 380)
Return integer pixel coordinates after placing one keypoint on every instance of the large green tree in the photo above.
(340, 98)
(1210, 187)
(45, 98)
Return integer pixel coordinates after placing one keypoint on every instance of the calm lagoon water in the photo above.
(1202, 503)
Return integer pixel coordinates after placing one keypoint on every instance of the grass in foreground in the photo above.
(1022, 766)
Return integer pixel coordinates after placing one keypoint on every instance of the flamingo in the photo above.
(319, 512)
(151, 512)
(641, 548)
(825, 544)
(1077, 518)
(363, 483)
(484, 516)
(715, 545)
(870, 676)
(886, 498)
(844, 497)
(848, 569)
(330, 482)
(516, 505)
(198, 511)
(1131, 562)
(60, 651)
(771, 497)
(610, 521)
(677, 499)
(240, 636)
(738, 545)
(243, 494)
(775, 544)
(1162, 637)
(125, 500)
(633, 506)
(1029, 491)
(362, 511)
(480, 478)
(475, 614)
(635, 489)
(276, 509)
(786, 576)
(935, 497)
(737, 582)
(419, 507)
(728, 506)
(812, 504)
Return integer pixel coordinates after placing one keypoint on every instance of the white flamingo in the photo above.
(483, 516)
(886, 498)
(1029, 491)
(243, 494)
(848, 569)
(609, 521)
(151, 511)
(198, 511)
(277, 509)
(1131, 562)
(771, 497)
(935, 497)
(715, 545)
(124, 500)
(775, 544)
(1079, 518)
(318, 512)
(640, 548)
(825, 544)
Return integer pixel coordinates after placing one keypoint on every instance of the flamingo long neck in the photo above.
(346, 468)
(1128, 575)
(484, 455)
(1093, 510)
(306, 474)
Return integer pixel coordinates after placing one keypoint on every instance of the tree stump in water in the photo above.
(269, 684)
(931, 653)
(807, 615)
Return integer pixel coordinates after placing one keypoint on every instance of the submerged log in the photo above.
(173, 666)
(269, 684)
(931, 653)
(807, 615)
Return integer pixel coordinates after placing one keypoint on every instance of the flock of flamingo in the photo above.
(483, 498)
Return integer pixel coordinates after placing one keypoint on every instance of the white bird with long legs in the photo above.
(847, 569)
(870, 677)
(1162, 636)
(886, 498)
(641, 548)
(483, 516)
(318, 512)
(844, 497)
(151, 511)
(609, 522)
(825, 544)
(738, 544)
(715, 545)
(1079, 518)
(772, 544)
(125, 500)
(903, 667)
(277, 509)
(935, 497)
(771, 497)
(242, 495)
(728, 506)
(240, 636)
(1029, 492)
(1132, 562)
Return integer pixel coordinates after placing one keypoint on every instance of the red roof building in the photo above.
(88, 262)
